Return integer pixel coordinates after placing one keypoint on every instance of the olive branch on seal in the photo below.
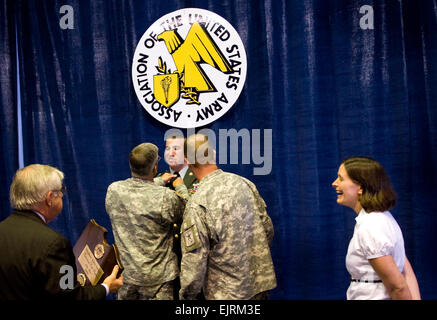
(162, 67)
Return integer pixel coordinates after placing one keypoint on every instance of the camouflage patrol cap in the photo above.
(142, 158)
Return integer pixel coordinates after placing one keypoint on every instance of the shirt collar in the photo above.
(361, 216)
(41, 216)
(182, 172)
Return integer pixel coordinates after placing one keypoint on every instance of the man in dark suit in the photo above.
(32, 255)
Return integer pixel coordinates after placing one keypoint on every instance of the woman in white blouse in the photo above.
(376, 257)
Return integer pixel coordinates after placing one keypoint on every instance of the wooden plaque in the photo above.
(95, 258)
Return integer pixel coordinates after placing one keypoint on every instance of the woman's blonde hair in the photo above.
(31, 184)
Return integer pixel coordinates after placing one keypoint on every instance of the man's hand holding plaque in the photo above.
(112, 281)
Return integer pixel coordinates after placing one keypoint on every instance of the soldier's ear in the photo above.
(186, 160)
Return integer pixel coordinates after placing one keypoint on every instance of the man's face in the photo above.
(174, 153)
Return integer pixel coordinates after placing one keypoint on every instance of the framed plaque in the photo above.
(95, 258)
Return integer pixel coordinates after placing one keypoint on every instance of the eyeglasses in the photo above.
(63, 190)
(159, 159)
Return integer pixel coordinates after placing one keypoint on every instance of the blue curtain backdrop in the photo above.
(327, 88)
(8, 103)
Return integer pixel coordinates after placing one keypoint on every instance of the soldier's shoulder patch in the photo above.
(190, 236)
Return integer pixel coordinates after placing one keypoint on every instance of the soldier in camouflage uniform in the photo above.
(142, 216)
(178, 166)
(226, 233)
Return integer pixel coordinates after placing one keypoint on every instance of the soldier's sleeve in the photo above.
(109, 199)
(265, 219)
(173, 206)
(182, 191)
(158, 180)
(195, 250)
(268, 226)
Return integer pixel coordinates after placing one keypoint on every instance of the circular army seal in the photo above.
(189, 68)
(99, 251)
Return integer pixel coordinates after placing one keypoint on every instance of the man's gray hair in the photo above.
(143, 158)
(32, 183)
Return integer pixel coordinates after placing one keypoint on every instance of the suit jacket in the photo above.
(31, 255)
(190, 179)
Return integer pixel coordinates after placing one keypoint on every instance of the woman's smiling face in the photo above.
(348, 192)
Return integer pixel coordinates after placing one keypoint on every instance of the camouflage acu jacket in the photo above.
(142, 216)
(226, 234)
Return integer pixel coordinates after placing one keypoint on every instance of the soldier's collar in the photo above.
(211, 175)
(137, 178)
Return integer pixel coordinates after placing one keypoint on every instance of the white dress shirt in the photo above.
(182, 172)
(376, 234)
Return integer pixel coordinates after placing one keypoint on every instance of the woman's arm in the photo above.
(394, 281)
(410, 277)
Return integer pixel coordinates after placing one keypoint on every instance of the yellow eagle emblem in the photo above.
(197, 48)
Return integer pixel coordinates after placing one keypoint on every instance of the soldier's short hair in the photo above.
(31, 184)
(143, 158)
(199, 150)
